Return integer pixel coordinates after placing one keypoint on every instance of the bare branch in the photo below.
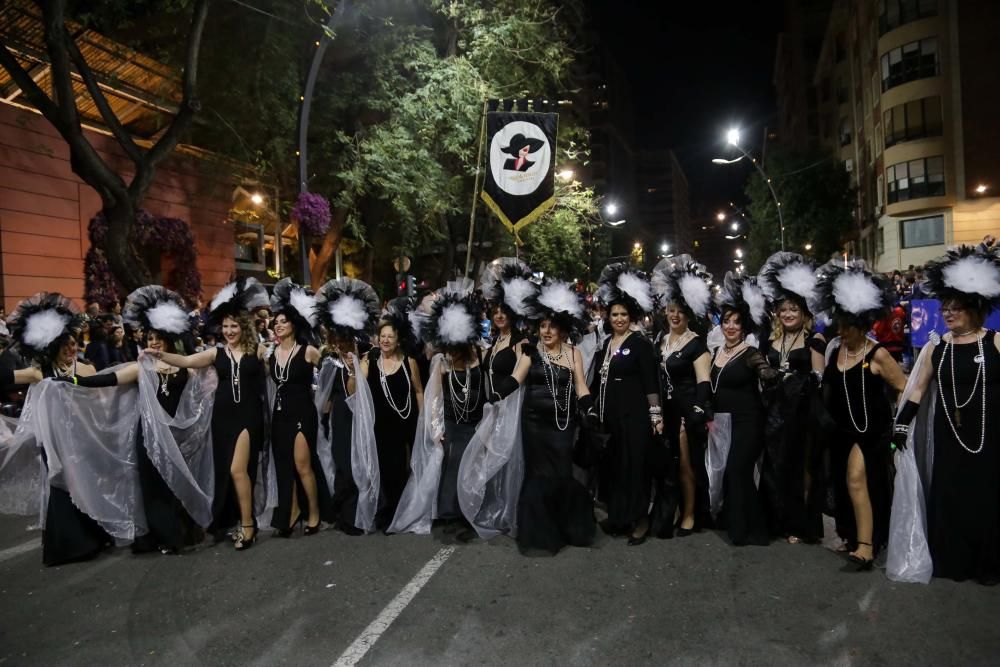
(29, 88)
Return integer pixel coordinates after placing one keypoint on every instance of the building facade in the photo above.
(663, 216)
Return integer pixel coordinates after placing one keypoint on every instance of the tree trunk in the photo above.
(124, 263)
(319, 263)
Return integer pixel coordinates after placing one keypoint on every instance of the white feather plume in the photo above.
(973, 275)
(349, 312)
(696, 294)
(856, 293)
(559, 297)
(43, 328)
(305, 304)
(223, 296)
(515, 293)
(455, 325)
(416, 319)
(754, 297)
(637, 288)
(168, 317)
(799, 279)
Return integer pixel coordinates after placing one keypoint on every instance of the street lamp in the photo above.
(739, 253)
(637, 245)
(665, 248)
(611, 208)
(566, 175)
(808, 247)
(733, 139)
(720, 216)
(735, 226)
(257, 199)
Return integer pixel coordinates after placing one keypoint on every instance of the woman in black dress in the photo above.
(507, 288)
(238, 412)
(45, 329)
(554, 509)
(792, 473)
(628, 402)
(348, 310)
(398, 394)
(738, 370)
(953, 388)
(682, 286)
(859, 373)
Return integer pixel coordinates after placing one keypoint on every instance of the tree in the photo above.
(816, 203)
(120, 199)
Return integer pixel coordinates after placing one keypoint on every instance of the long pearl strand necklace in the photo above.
(980, 373)
(847, 395)
(612, 352)
(461, 407)
(234, 375)
(281, 373)
(729, 353)
(549, 362)
(383, 380)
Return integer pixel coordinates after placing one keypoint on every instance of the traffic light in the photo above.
(406, 285)
(411, 285)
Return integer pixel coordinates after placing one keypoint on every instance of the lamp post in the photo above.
(733, 139)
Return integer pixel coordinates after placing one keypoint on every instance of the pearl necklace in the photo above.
(494, 351)
(281, 372)
(552, 382)
(731, 354)
(234, 375)
(609, 355)
(462, 408)
(61, 372)
(847, 396)
(165, 379)
(981, 372)
(404, 412)
(669, 349)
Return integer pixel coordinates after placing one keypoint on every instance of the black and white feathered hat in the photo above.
(683, 281)
(559, 302)
(506, 283)
(968, 274)
(296, 303)
(240, 296)
(347, 307)
(853, 293)
(43, 323)
(404, 317)
(155, 308)
(625, 285)
(789, 276)
(744, 295)
(453, 322)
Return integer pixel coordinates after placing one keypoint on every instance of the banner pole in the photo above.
(475, 191)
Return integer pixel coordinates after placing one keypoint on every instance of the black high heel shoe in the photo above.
(285, 533)
(861, 564)
(308, 530)
(240, 541)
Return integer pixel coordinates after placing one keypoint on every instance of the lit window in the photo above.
(920, 232)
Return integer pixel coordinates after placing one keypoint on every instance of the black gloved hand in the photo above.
(902, 428)
(90, 381)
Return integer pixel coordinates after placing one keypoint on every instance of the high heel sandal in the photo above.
(286, 533)
(241, 543)
(861, 564)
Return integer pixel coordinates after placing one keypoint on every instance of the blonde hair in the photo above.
(778, 329)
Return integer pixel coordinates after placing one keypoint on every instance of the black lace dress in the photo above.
(293, 413)
(554, 509)
(239, 406)
(859, 405)
(963, 506)
(792, 475)
(170, 526)
(394, 432)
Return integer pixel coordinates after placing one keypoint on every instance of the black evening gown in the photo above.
(736, 393)
(393, 434)
(170, 526)
(459, 426)
(294, 412)
(230, 417)
(69, 534)
(792, 475)
(554, 509)
(624, 406)
(679, 388)
(338, 422)
(871, 430)
(963, 506)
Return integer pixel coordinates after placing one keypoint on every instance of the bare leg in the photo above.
(687, 483)
(857, 487)
(303, 465)
(241, 483)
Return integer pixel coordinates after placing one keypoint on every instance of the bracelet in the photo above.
(75, 380)
(655, 419)
(655, 410)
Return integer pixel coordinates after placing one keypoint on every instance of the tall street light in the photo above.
(733, 139)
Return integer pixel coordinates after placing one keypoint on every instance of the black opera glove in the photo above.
(901, 430)
(701, 412)
(503, 387)
(586, 404)
(91, 381)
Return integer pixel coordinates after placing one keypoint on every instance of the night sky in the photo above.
(696, 68)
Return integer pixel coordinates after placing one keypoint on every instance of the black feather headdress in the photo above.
(404, 317)
(43, 323)
(155, 308)
(744, 295)
(853, 293)
(506, 283)
(240, 296)
(298, 305)
(970, 275)
(683, 281)
(453, 322)
(559, 302)
(347, 307)
(625, 285)
(789, 276)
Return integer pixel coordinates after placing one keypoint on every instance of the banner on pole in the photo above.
(520, 174)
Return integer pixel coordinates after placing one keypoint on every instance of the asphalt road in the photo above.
(304, 601)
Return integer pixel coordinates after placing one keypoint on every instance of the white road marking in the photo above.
(12, 552)
(363, 643)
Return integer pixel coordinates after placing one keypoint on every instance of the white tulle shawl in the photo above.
(364, 454)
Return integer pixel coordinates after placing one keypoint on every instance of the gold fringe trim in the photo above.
(515, 227)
